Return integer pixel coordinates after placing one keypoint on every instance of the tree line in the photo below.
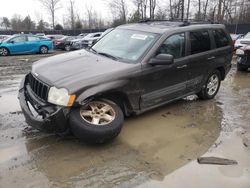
(128, 11)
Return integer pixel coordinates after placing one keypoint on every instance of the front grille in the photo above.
(39, 88)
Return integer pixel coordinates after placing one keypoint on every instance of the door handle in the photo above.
(211, 58)
(181, 67)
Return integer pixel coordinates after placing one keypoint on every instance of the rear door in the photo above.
(33, 44)
(201, 56)
(223, 47)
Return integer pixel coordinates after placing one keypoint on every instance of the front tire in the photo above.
(211, 87)
(99, 121)
(4, 52)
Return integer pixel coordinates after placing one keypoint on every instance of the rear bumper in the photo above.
(54, 119)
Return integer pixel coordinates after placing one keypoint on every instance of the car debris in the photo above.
(216, 161)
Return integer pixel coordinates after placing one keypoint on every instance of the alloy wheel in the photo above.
(97, 113)
(213, 84)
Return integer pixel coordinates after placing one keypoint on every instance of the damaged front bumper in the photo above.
(39, 114)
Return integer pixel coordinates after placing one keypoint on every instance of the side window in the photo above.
(19, 39)
(200, 42)
(220, 38)
(31, 38)
(174, 45)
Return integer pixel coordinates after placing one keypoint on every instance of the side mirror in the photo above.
(162, 59)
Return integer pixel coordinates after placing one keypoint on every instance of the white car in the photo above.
(242, 41)
(86, 41)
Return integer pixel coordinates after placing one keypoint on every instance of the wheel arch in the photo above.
(222, 72)
(118, 97)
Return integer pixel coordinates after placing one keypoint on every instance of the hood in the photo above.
(242, 40)
(80, 67)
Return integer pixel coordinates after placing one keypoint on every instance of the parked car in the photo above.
(243, 58)
(40, 35)
(86, 41)
(241, 42)
(132, 69)
(236, 37)
(3, 37)
(25, 44)
(64, 43)
(54, 37)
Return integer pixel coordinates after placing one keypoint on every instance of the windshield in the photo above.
(125, 44)
(8, 38)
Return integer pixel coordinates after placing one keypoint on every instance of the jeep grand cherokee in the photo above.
(134, 68)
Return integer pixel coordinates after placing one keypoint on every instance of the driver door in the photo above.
(18, 45)
(163, 83)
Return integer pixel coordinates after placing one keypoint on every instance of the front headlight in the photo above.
(60, 97)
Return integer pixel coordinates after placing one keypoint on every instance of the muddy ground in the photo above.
(156, 149)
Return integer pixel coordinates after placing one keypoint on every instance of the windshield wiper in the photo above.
(92, 49)
(108, 55)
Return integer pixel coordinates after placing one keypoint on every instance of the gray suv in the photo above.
(134, 68)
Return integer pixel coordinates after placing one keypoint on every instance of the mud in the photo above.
(151, 150)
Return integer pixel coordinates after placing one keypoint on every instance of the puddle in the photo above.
(158, 147)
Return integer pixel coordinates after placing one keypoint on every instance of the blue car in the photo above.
(25, 44)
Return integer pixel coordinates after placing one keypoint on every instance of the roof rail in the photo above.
(184, 22)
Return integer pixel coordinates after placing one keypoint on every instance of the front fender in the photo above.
(98, 89)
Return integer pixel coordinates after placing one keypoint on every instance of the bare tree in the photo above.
(119, 10)
(188, 9)
(152, 6)
(72, 13)
(205, 10)
(52, 6)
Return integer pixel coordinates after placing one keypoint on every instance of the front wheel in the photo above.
(4, 52)
(97, 122)
(211, 87)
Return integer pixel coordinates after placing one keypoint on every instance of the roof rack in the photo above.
(182, 22)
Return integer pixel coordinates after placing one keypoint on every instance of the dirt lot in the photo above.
(156, 149)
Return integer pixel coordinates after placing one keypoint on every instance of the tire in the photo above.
(44, 50)
(4, 51)
(211, 87)
(240, 68)
(67, 48)
(89, 130)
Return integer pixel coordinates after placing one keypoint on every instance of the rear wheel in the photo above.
(211, 87)
(97, 122)
(44, 50)
(4, 51)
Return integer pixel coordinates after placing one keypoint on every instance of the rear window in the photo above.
(200, 42)
(220, 38)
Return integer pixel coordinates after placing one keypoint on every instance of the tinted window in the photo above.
(174, 45)
(19, 39)
(31, 38)
(220, 38)
(200, 42)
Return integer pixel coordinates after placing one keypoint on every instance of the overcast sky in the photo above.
(34, 8)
